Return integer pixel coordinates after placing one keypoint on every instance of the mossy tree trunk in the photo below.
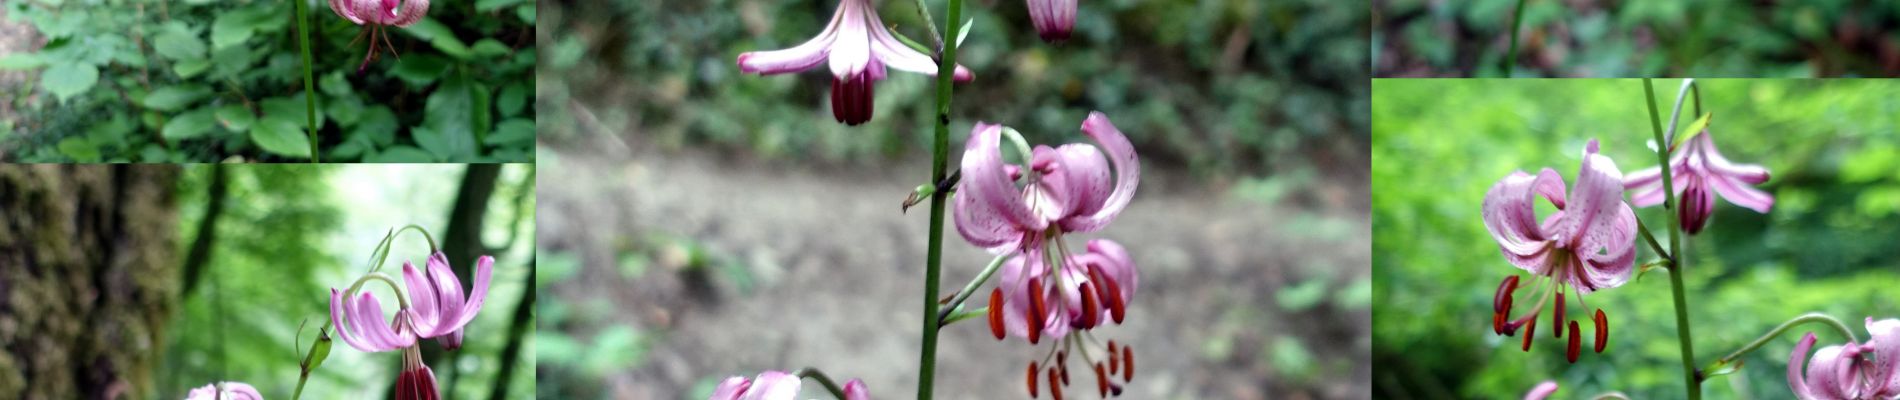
(88, 278)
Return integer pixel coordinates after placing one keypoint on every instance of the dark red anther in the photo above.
(1128, 364)
(1115, 390)
(1089, 311)
(1557, 317)
(1497, 322)
(1032, 379)
(996, 313)
(1114, 359)
(1530, 330)
(1037, 311)
(1055, 391)
(1111, 294)
(1576, 342)
(1065, 373)
(1501, 302)
(1603, 330)
(1101, 380)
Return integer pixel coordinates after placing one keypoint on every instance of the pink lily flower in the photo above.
(374, 15)
(437, 311)
(1093, 288)
(1588, 243)
(1054, 19)
(1844, 372)
(225, 391)
(1699, 173)
(858, 46)
(1542, 391)
(776, 385)
(1069, 188)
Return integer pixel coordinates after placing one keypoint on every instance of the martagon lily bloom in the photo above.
(776, 385)
(1054, 19)
(1046, 290)
(1844, 372)
(859, 47)
(1699, 173)
(225, 391)
(1588, 244)
(375, 15)
(437, 310)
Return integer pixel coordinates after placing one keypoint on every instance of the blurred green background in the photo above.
(286, 235)
(1220, 86)
(162, 81)
(1833, 148)
(1604, 38)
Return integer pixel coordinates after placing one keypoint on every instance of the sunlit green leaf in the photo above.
(190, 124)
(70, 80)
(281, 137)
(174, 98)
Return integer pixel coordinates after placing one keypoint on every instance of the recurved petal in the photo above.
(448, 291)
(346, 9)
(773, 385)
(1741, 194)
(730, 389)
(412, 11)
(1831, 373)
(1085, 177)
(241, 391)
(855, 390)
(1593, 200)
(465, 309)
(1541, 391)
(369, 313)
(851, 47)
(794, 59)
(1797, 380)
(422, 299)
(1121, 154)
(1609, 247)
(990, 210)
(1750, 173)
(1510, 214)
(895, 54)
(1885, 342)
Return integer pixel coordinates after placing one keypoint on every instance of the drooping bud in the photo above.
(1697, 204)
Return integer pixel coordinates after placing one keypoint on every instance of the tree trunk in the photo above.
(88, 278)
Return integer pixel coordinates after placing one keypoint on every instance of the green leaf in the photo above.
(344, 110)
(491, 5)
(235, 117)
(480, 110)
(448, 44)
(428, 29)
(80, 149)
(400, 154)
(179, 44)
(420, 70)
(281, 137)
(20, 61)
(963, 32)
(232, 28)
(513, 98)
(488, 47)
(526, 12)
(1695, 128)
(334, 84)
(69, 80)
(230, 61)
(174, 98)
(190, 125)
(290, 108)
(512, 131)
(919, 47)
(190, 68)
(378, 126)
(451, 120)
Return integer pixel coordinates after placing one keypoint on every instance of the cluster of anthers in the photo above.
(1503, 324)
(1086, 294)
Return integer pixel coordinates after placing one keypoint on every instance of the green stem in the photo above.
(1517, 19)
(816, 375)
(1689, 373)
(1784, 327)
(923, 12)
(940, 161)
(309, 78)
(957, 302)
(963, 315)
(1651, 239)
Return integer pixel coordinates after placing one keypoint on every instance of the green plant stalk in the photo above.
(1819, 318)
(923, 12)
(963, 315)
(940, 161)
(816, 375)
(1517, 19)
(957, 302)
(309, 78)
(1689, 373)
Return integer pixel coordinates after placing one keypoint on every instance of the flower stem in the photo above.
(814, 374)
(963, 315)
(1819, 318)
(1651, 239)
(309, 78)
(1689, 373)
(923, 12)
(957, 302)
(1510, 58)
(940, 161)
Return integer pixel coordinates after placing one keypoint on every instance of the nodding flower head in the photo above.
(858, 46)
(1063, 299)
(1066, 189)
(374, 15)
(1054, 19)
(225, 391)
(1588, 244)
(1849, 371)
(1699, 173)
(435, 308)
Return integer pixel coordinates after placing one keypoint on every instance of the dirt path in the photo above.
(835, 269)
(15, 37)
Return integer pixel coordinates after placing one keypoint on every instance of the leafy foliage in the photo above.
(1826, 246)
(1703, 38)
(1218, 86)
(157, 81)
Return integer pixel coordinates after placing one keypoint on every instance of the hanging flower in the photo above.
(1054, 19)
(375, 15)
(1046, 290)
(225, 391)
(1844, 372)
(859, 47)
(436, 310)
(1588, 244)
(1699, 173)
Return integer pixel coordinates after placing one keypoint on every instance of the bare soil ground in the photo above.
(15, 37)
(836, 273)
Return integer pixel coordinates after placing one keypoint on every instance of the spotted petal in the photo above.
(1127, 165)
